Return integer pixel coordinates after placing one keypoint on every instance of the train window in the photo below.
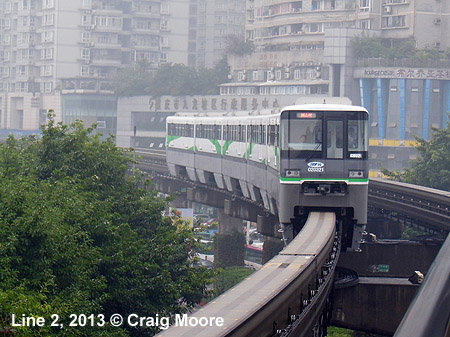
(218, 132)
(356, 135)
(264, 134)
(335, 139)
(226, 132)
(234, 137)
(242, 132)
(277, 133)
(271, 140)
(301, 134)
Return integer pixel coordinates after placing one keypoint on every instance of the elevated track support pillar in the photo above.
(228, 224)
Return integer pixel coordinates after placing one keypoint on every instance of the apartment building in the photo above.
(289, 38)
(211, 24)
(61, 55)
(304, 47)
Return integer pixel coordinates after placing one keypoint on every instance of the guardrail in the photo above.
(430, 206)
(429, 313)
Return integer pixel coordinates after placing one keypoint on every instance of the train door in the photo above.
(335, 144)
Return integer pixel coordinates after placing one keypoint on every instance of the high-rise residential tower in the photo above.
(61, 55)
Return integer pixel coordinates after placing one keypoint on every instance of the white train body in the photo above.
(305, 158)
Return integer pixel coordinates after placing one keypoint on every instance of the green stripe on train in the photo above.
(217, 145)
(171, 139)
(325, 179)
(226, 146)
(249, 151)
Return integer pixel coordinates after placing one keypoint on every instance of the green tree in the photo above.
(365, 47)
(432, 167)
(171, 79)
(79, 234)
(236, 45)
(133, 81)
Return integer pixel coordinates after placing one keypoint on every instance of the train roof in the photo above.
(325, 107)
(235, 115)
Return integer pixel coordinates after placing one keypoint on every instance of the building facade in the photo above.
(305, 47)
(55, 52)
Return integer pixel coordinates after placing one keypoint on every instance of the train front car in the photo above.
(324, 166)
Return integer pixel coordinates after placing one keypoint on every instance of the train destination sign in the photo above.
(306, 115)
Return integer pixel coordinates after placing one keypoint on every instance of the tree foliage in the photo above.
(238, 46)
(171, 79)
(365, 47)
(79, 234)
(432, 167)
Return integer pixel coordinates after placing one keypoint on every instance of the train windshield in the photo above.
(358, 129)
(302, 135)
(324, 134)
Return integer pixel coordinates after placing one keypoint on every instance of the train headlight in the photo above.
(356, 174)
(292, 173)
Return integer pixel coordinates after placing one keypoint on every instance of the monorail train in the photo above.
(304, 158)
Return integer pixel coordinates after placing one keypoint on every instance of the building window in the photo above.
(365, 24)
(101, 124)
(316, 5)
(47, 70)
(47, 36)
(47, 87)
(85, 37)
(394, 21)
(255, 75)
(164, 8)
(164, 25)
(164, 41)
(22, 87)
(85, 54)
(365, 5)
(163, 58)
(316, 27)
(21, 70)
(84, 71)
(47, 54)
(47, 4)
(86, 4)
(48, 20)
(278, 75)
(108, 21)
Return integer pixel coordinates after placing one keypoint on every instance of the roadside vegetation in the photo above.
(333, 331)
(80, 234)
(432, 167)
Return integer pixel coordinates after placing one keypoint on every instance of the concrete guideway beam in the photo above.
(375, 304)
